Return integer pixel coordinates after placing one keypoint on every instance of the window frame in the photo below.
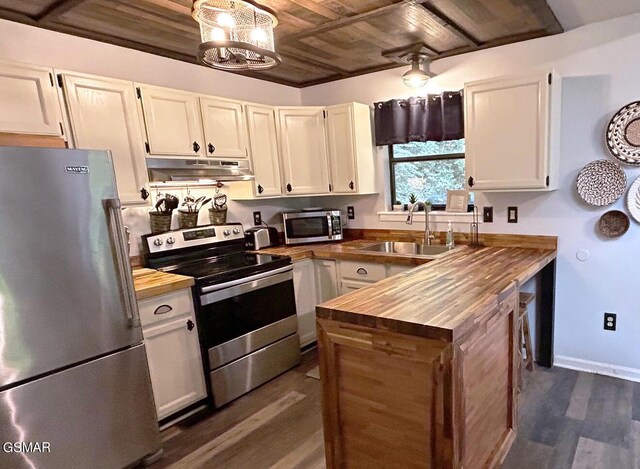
(416, 159)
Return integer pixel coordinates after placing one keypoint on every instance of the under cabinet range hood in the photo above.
(167, 171)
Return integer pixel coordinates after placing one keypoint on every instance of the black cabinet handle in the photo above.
(260, 189)
(362, 271)
(144, 193)
(196, 147)
(211, 147)
(190, 325)
(351, 185)
(470, 181)
(163, 309)
(289, 188)
(330, 188)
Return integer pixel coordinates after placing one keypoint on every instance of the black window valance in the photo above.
(436, 118)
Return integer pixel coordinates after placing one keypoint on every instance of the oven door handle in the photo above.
(226, 290)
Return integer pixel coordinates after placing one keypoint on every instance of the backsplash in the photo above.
(137, 219)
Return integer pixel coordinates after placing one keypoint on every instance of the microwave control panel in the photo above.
(336, 225)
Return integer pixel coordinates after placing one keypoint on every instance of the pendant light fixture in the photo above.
(236, 34)
(416, 77)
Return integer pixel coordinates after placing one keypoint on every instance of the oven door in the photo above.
(239, 317)
(312, 227)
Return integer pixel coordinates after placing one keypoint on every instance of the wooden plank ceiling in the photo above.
(319, 40)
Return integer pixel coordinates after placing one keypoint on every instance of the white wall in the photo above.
(601, 74)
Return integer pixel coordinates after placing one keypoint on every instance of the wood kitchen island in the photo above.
(419, 370)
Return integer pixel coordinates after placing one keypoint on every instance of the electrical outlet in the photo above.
(351, 214)
(487, 214)
(512, 214)
(609, 321)
(257, 218)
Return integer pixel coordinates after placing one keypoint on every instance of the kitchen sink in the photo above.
(397, 247)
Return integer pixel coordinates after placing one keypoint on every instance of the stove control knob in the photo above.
(157, 242)
(236, 230)
(227, 232)
(171, 240)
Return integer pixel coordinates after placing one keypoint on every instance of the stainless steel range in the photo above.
(245, 305)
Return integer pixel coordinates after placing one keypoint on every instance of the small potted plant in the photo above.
(160, 218)
(188, 215)
(412, 200)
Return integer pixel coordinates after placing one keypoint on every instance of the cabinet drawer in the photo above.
(164, 307)
(347, 286)
(366, 271)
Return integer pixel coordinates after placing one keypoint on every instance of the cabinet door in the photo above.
(225, 131)
(303, 150)
(261, 123)
(341, 145)
(507, 132)
(326, 279)
(304, 283)
(103, 116)
(172, 120)
(28, 100)
(175, 365)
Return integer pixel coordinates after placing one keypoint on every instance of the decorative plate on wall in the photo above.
(633, 200)
(601, 182)
(623, 134)
(613, 224)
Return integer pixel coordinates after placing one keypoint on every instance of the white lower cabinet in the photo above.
(304, 282)
(326, 279)
(173, 351)
(355, 275)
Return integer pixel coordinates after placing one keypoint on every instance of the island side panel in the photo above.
(387, 398)
(487, 374)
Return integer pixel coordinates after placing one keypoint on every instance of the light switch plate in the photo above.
(512, 214)
(487, 214)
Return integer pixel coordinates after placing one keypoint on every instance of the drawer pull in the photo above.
(190, 325)
(163, 309)
(362, 271)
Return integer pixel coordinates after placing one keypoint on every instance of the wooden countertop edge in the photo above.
(158, 283)
(485, 305)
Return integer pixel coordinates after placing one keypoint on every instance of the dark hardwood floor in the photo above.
(568, 419)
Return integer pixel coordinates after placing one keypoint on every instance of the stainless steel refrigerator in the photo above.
(73, 369)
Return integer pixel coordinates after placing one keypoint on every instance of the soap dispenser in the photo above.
(450, 242)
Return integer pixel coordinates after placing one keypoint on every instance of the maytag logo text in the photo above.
(77, 169)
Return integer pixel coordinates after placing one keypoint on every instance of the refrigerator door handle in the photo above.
(118, 238)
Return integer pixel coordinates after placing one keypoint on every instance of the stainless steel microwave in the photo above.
(312, 226)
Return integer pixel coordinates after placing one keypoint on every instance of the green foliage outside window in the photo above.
(430, 169)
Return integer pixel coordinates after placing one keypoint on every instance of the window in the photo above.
(428, 170)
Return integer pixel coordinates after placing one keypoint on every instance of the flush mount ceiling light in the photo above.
(236, 34)
(416, 77)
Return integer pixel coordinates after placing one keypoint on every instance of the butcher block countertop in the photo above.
(443, 299)
(149, 283)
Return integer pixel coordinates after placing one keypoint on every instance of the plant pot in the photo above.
(187, 219)
(160, 222)
(218, 217)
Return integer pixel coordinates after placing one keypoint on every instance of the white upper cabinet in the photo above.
(28, 100)
(305, 165)
(512, 132)
(103, 116)
(263, 141)
(172, 121)
(225, 130)
(350, 147)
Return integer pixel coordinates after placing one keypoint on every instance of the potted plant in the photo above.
(188, 215)
(160, 219)
(412, 200)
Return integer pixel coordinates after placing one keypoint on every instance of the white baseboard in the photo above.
(622, 372)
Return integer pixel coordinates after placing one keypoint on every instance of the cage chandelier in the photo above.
(236, 34)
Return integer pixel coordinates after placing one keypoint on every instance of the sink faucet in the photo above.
(427, 232)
